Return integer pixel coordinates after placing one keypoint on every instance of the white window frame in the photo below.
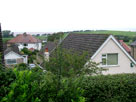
(12, 63)
(106, 65)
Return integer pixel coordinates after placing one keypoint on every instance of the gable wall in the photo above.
(12, 55)
(123, 60)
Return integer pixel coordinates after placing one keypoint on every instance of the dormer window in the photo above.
(110, 59)
(25, 44)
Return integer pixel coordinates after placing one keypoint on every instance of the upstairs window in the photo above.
(11, 61)
(110, 59)
(25, 44)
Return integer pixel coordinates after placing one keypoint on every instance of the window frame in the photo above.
(11, 63)
(106, 54)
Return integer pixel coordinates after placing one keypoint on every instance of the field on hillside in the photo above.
(125, 33)
(6, 39)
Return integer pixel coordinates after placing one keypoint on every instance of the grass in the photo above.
(6, 39)
(125, 33)
(41, 37)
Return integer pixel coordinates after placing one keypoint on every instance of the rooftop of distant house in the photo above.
(24, 38)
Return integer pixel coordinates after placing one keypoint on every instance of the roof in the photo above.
(133, 43)
(118, 44)
(125, 46)
(50, 45)
(13, 48)
(24, 38)
(84, 42)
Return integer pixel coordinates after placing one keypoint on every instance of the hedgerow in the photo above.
(110, 88)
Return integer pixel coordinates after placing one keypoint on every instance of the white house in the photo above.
(104, 49)
(13, 57)
(114, 57)
(26, 41)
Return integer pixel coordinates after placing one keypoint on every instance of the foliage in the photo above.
(6, 78)
(68, 63)
(51, 90)
(23, 88)
(55, 36)
(36, 86)
(21, 66)
(110, 88)
(31, 54)
(7, 33)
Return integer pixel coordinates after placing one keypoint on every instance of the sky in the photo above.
(67, 15)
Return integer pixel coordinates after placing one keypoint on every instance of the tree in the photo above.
(67, 63)
(55, 36)
(7, 33)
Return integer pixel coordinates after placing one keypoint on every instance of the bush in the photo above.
(68, 63)
(110, 88)
(24, 88)
(6, 78)
(31, 86)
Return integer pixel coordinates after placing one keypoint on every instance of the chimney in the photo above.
(133, 49)
(1, 48)
(46, 54)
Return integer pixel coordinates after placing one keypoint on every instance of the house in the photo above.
(103, 49)
(26, 41)
(12, 56)
(125, 46)
(133, 49)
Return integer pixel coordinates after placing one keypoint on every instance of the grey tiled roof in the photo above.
(133, 43)
(50, 46)
(84, 42)
(13, 48)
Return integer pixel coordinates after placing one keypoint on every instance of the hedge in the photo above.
(110, 88)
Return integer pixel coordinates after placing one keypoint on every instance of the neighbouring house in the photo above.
(104, 49)
(125, 46)
(12, 56)
(50, 46)
(47, 49)
(133, 49)
(26, 41)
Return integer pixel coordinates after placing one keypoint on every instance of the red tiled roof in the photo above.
(24, 38)
(125, 46)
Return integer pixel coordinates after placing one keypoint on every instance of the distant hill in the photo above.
(33, 33)
(125, 33)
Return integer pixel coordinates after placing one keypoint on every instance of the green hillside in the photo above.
(125, 33)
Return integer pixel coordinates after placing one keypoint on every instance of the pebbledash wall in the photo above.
(123, 60)
(36, 46)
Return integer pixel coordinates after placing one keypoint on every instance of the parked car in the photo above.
(32, 66)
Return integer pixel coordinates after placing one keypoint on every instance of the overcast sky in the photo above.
(67, 15)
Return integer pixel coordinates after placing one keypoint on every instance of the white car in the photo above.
(32, 66)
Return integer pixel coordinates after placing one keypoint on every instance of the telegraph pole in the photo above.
(1, 48)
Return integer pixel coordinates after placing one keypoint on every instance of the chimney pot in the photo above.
(46, 50)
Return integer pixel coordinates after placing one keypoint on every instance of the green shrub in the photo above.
(23, 89)
(6, 78)
(110, 88)
(65, 90)
(35, 86)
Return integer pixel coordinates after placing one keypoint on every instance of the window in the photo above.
(25, 44)
(110, 59)
(11, 61)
